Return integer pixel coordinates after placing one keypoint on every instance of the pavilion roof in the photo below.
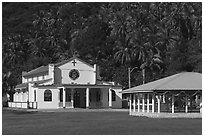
(180, 81)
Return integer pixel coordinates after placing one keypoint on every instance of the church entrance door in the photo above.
(80, 98)
(76, 99)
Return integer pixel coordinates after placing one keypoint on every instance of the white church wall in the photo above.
(54, 104)
(118, 102)
(115, 104)
(40, 78)
(25, 80)
(46, 76)
(86, 73)
(24, 97)
(31, 92)
(30, 96)
(57, 76)
(34, 78)
(24, 105)
(51, 69)
(94, 103)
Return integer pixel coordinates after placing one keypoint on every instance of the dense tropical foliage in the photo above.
(159, 39)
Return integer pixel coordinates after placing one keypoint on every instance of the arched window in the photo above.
(47, 95)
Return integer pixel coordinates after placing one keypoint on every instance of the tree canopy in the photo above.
(162, 38)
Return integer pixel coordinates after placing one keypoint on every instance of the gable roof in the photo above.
(38, 70)
(181, 81)
(23, 85)
(43, 69)
(66, 61)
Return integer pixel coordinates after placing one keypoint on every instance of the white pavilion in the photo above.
(164, 94)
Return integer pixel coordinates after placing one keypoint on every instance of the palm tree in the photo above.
(123, 55)
(145, 50)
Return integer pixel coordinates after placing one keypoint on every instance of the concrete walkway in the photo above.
(82, 110)
(167, 115)
(19, 109)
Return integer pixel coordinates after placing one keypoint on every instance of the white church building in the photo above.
(72, 83)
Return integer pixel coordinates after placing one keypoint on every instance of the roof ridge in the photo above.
(63, 61)
(175, 79)
(172, 77)
(68, 60)
(175, 76)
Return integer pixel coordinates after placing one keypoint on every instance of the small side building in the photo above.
(72, 83)
(179, 92)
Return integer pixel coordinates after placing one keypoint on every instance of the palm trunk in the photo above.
(143, 75)
(129, 81)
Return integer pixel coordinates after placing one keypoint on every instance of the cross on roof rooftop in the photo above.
(74, 62)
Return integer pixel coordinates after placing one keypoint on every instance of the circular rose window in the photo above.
(74, 74)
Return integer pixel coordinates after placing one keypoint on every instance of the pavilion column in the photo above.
(110, 99)
(147, 102)
(143, 102)
(186, 107)
(87, 97)
(138, 102)
(163, 98)
(172, 104)
(134, 102)
(158, 101)
(72, 98)
(153, 97)
(130, 105)
(63, 98)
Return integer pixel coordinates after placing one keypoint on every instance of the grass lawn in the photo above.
(94, 123)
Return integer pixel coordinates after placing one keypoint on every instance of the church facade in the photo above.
(72, 83)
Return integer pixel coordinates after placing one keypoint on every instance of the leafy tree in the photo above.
(160, 38)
